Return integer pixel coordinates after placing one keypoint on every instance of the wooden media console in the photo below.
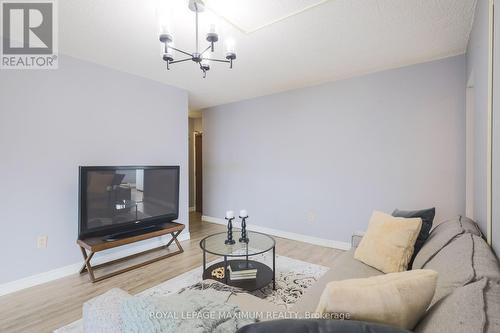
(92, 245)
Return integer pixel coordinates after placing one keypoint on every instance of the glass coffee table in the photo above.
(240, 253)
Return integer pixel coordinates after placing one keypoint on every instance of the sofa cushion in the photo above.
(397, 299)
(343, 267)
(460, 312)
(103, 313)
(492, 304)
(319, 326)
(388, 242)
(484, 261)
(427, 216)
(470, 226)
(190, 311)
(255, 305)
(454, 266)
(441, 236)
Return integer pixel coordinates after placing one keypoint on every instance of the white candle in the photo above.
(229, 214)
(243, 213)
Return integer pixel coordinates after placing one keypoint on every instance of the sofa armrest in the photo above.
(356, 238)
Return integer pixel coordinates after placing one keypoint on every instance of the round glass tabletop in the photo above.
(257, 243)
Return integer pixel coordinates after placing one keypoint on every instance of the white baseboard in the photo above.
(192, 209)
(285, 234)
(37, 279)
(61, 272)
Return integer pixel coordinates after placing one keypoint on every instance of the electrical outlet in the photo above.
(41, 242)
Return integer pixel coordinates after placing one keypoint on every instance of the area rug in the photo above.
(293, 277)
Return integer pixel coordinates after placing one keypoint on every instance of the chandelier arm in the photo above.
(173, 48)
(177, 61)
(208, 48)
(217, 60)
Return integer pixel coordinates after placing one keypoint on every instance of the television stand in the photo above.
(92, 245)
(131, 233)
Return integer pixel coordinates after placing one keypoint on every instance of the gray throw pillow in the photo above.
(427, 216)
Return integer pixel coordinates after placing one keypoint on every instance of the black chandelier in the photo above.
(201, 58)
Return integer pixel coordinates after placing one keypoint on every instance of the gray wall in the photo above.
(318, 161)
(53, 121)
(477, 73)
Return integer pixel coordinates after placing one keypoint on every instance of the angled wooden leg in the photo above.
(86, 265)
(178, 243)
(174, 237)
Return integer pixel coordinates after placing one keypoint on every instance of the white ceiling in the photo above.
(252, 15)
(332, 40)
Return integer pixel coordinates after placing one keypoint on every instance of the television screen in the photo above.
(116, 199)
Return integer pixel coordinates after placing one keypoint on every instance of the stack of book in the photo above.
(242, 271)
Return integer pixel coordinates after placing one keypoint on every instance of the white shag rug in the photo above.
(293, 277)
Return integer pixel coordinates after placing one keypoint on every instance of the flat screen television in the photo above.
(116, 201)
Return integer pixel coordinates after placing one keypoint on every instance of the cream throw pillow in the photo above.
(397, 299)
(388, 242)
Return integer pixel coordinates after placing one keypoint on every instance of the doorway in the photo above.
(195, 131)
(198, 171)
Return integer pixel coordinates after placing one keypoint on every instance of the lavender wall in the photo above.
(53, 121)
(318, 161)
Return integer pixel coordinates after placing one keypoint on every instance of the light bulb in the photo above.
(205, 62)
(169, 50)
(212, 28)
(164, 14)
(230, 46)
(164, 28)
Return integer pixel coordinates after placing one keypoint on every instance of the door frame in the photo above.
(469, 148)
(489, 156)
(195, 133)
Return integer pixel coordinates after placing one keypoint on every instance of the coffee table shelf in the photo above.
(264, 275)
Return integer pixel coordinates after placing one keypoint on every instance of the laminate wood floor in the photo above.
(51, 305)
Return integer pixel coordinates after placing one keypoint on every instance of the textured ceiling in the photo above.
(252, 15)
(334, 40)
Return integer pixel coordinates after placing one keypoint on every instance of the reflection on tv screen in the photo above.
(128, 195)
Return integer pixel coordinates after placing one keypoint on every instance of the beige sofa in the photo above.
(467, 298)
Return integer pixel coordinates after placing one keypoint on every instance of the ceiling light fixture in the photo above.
(201, 58)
